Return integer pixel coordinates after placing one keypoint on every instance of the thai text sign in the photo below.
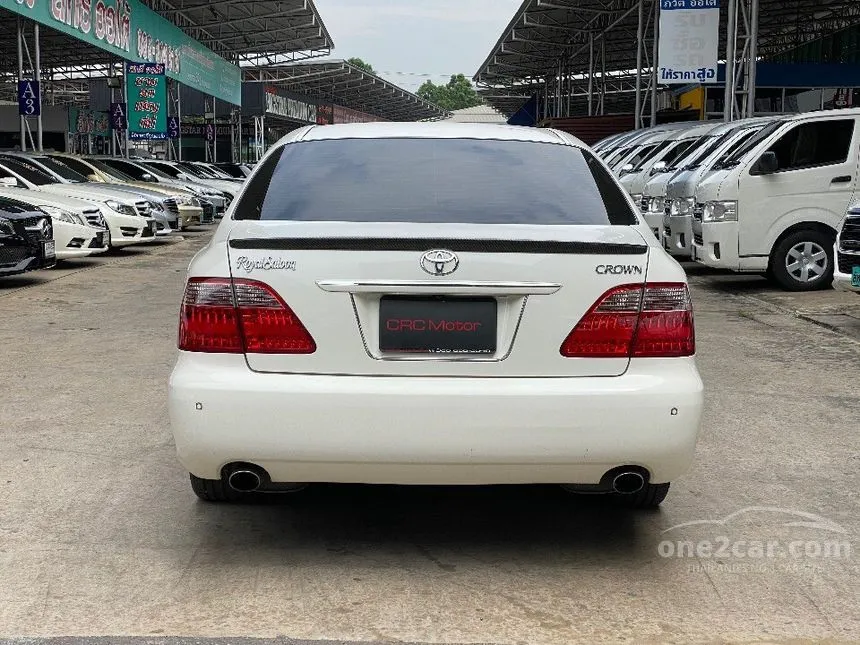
(146, 95)
(132, 31)
(689, 41)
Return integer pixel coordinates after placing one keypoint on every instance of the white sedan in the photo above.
(79, 228)
(435, 304)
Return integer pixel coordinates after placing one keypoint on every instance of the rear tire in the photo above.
(214, 490)
(649, 496)
(803, 261)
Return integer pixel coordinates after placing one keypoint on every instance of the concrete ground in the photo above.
(100, 535)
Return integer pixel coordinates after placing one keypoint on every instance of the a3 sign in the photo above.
(29, 98)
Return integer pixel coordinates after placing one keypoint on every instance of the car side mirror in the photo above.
(767, 164)
(147, 177)
(9, 182)
(627, 167)
(182, 176)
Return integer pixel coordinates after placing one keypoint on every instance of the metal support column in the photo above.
(639, 46)
(655, 53)
(214, 130)
(127, 112)
(558, 89)
(38, 70)
(602, 76)
(590, 73)
(731, 40)
(179, 117)
(753, 56)
(20, 78)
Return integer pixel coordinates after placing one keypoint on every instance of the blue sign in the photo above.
(29, 99)
(172, 127)
(118, 120)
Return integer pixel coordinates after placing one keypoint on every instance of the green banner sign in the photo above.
(86, 121)
(146, 94)
(134, 32)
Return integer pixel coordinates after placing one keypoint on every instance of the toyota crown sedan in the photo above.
(431, 303)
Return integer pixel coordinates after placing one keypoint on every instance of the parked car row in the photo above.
(765, 195)
(56, 206)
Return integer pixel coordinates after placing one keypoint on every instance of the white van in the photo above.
(775, 205)
(846, 275)
(649, 142)
(677, 233)
(653, 201)
(634, 180)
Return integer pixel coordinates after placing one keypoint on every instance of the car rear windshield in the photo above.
(434, 181)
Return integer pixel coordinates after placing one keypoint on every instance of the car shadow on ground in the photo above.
(729, 281)
(350, 517)
(22, 281)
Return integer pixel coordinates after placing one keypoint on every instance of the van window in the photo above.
(644, 157)
(820, 143)
(733, 156)
(697, 156)
(682, 150)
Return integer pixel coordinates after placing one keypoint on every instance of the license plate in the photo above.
(49, 249)
(441, 325)
(855, 276)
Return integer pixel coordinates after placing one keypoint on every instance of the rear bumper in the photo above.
(426, 430)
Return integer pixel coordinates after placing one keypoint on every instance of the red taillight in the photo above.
(650, 320)
(226, 316)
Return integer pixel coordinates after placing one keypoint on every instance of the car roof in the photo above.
(435, 130)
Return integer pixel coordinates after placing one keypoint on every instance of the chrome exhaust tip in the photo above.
(244, 481)
(628, 482)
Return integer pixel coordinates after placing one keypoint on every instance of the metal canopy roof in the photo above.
(510, 97)
(345, 84)
(544, 33)
(251, 32)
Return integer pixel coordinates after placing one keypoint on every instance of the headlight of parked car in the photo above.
(183, 200)
(720, 212)
(682, 206)
(123, 209)
(62, 215)
(656, 205)
(6, 228)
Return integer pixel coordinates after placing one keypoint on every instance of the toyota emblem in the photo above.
(440, 262)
